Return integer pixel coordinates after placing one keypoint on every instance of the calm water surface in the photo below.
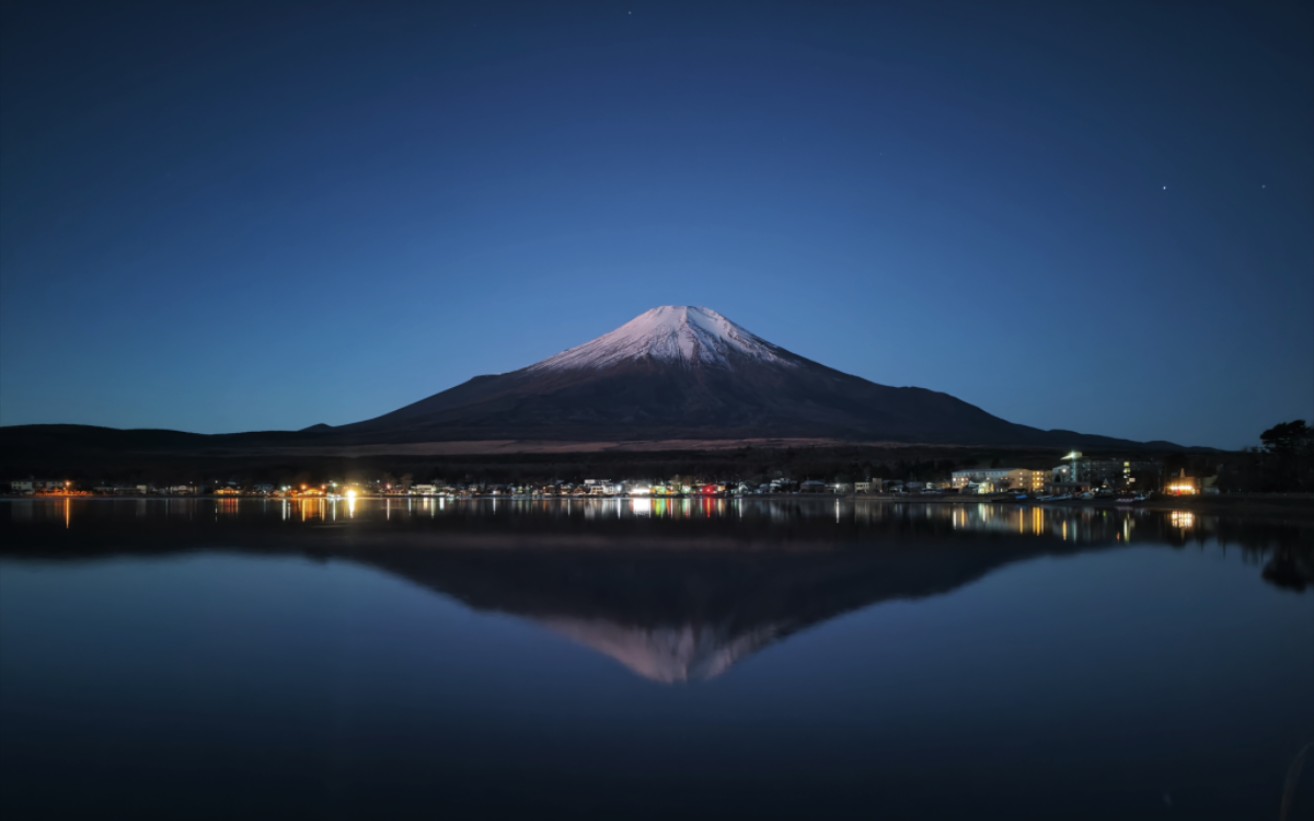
(634, 658)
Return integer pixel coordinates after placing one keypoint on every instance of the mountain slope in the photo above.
(685, 372)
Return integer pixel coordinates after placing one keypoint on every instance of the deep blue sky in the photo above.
(1096, 215)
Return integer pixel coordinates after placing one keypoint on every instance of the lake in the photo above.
(651, 658)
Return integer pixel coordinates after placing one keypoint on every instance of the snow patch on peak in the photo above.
(670, 333)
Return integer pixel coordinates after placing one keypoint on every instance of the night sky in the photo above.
(1097, 216)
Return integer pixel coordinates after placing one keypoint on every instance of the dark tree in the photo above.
(1289, 453)
(1287, 437)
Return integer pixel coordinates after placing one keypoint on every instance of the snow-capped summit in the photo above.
(671, 333)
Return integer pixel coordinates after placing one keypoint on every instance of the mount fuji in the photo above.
(688, 373)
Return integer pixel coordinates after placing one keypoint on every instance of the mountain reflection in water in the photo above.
(674, 590)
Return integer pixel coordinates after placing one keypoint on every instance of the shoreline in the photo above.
(1297, 505)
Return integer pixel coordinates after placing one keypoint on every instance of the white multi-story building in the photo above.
(990, 480)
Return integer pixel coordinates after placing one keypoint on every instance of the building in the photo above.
(993, 480)
(1100, 472)
(601, 487)
(1182, 485)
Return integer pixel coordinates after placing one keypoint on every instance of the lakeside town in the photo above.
(1074, 477)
